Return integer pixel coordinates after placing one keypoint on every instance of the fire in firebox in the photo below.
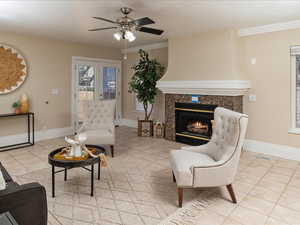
(198, 127)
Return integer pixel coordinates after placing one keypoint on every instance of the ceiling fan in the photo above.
(127, 26)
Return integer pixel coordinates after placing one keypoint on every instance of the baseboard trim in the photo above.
(39, 135)
(282, 151)
(129, 123)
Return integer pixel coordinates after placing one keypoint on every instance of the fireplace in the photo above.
(193, 122)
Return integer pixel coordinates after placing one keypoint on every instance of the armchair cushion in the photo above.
(182, 163)
(100, 137)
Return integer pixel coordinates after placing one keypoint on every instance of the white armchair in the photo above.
(99, 125)
(215, 163)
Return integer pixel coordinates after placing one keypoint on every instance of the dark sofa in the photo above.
(27, 203)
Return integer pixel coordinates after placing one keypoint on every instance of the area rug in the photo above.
(52, 220)
(69, 197)
(190, 213)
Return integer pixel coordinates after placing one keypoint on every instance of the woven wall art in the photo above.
(13, 69)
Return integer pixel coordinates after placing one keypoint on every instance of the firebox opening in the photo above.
(193, 123)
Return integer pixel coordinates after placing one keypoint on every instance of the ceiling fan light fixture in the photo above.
(130, 36)
(118, 36)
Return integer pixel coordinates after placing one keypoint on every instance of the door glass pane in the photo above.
(109, 82)
(86, 89)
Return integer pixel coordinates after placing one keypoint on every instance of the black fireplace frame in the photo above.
(195, 109)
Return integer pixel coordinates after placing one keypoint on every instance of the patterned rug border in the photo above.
(186, 215)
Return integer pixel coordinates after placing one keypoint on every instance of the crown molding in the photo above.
(205, 87)
(269, 28)
(146, 47)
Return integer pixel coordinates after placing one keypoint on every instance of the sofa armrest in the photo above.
(26, 203)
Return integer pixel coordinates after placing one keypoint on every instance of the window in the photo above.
(140, 107)
(295, 89)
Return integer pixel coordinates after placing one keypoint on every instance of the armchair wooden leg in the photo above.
(231, 192)
(112, 150)
(174, 179)
(180, 197)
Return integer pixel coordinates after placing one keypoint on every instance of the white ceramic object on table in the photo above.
(76, 143)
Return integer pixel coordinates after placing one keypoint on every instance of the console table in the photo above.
(30, 131)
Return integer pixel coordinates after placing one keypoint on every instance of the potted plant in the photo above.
(17, 105)
(143, 83)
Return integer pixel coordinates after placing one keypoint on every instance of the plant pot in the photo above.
(145, 128)
(17, 110)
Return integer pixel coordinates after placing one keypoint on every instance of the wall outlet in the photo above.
(253, 61)
(54, 91)
(252, 98)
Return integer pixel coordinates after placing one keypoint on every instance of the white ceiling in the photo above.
(70, 19)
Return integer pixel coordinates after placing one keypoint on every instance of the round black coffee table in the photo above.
(69, 164)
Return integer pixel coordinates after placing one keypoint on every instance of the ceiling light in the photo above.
(129, 36)
(118, 36)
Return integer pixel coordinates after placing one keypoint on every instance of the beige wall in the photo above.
(49, 63)
(269, 116)
(205, 56)
(223, 55)
(129, 108)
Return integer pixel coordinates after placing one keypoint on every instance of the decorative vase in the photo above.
(24, 104)
(76, 144)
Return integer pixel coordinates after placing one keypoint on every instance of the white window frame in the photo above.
(294, 50)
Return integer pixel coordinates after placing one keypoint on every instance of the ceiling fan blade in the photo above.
(107, 20)
(143, 21)
(104, 28)
(151, 30)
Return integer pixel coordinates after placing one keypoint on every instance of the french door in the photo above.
(94, 80)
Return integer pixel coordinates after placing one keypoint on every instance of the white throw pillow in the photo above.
(2, 182)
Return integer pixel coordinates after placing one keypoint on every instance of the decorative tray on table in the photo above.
(64, 154)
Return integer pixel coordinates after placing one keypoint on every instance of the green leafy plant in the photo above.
(143, 82)
(16, 104)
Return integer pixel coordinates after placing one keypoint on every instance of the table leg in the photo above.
(92, 180)
(65, 174)
(32, 128)
(53, 181)
(99, 168)
(28, 128)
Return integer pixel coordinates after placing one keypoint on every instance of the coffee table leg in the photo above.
(92, 180)
(53, 181)
(65, 174)
(99, 168)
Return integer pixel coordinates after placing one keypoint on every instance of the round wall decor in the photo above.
(13, 69)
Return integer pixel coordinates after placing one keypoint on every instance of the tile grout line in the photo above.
(276, 203)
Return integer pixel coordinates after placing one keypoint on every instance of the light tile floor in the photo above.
(137, 187)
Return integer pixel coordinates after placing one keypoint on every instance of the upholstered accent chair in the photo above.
(99, 126)
(215, 163)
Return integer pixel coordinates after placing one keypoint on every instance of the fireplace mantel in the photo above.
(205, 87)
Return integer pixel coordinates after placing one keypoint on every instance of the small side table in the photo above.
(69, 164)
(30, 131)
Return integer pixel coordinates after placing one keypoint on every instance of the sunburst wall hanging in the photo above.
(13, 69)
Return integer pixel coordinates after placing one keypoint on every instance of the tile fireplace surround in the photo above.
(230, 102)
